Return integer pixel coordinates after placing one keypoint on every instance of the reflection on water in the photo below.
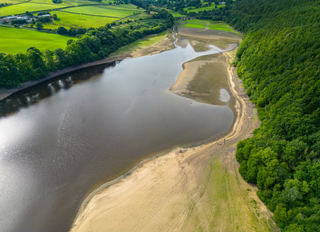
(52, 151)
(32, 95)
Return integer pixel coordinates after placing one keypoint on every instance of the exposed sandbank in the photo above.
(188, 189)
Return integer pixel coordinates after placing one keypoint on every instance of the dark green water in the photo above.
(68, 137)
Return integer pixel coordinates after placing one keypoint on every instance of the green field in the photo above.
(11, 1)
(109, 11)
(41, 5)
(196, 23)
(222, 27)
(68, 20)
(124, 7)
(176, 14)
(203, 8)
(29, 6)
(19, 40)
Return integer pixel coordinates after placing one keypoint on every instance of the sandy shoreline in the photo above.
(144, 51)
(187, 189)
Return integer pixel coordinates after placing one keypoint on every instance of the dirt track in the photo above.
(188, 189)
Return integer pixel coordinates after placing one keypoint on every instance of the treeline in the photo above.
(279, 63)
(218, 14)
(94, 45)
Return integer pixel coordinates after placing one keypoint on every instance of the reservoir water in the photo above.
(69, 136)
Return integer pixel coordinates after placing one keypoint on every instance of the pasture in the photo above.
(68, 20)
(41, 5)
(197, 23)
(29, 6)
(176, 14)
(71, 2)
(203, 8)
(107, 11)
(15, 40)
(11, 1)
(222, 27)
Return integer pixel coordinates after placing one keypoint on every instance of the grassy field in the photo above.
(111, 11)
(176, 14)
(19, 40)
(11, 1)
(124, 7)
(203, 8)
(40, 5)
(72, 2)
(68, 20)
(22, 8)
(222, 27)
(196, 23)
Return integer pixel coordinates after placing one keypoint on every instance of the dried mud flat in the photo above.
(188, 189)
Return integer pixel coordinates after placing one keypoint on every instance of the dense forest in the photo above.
(95, 44)
(279, 63)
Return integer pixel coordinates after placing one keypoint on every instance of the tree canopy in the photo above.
(278, 61)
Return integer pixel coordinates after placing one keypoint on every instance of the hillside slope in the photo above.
(278, 62)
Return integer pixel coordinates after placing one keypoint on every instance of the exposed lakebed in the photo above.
(63, 142)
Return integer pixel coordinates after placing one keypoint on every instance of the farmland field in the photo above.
(196, 23)
(111, 11)
(123, 7)
(11, 1)
(68, 20)
(39, 5)
(176, 14)
(222, 27)
(204, 8)
(71, 2)
(29, 6)
(19, 40)
(210, 25)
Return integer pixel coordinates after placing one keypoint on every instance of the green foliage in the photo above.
(39, 25)
(278, 62)
(95, 44)
(62, 31)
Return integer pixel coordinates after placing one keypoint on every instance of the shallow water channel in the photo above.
(64, 141)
